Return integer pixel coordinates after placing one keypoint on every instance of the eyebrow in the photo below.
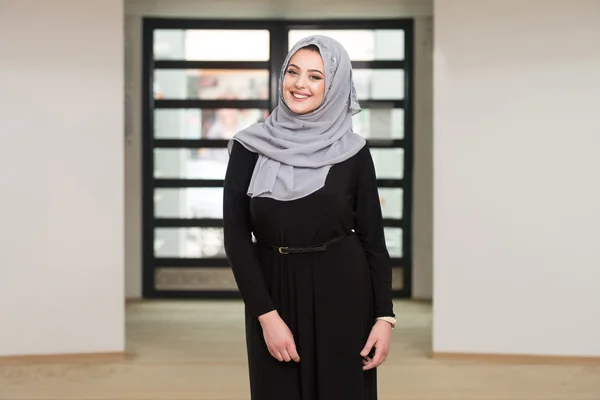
(310, 70)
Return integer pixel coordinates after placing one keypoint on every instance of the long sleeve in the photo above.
(239, 247)
(369, 229)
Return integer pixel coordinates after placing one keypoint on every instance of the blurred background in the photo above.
(114, 121)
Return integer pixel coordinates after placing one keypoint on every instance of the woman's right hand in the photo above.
(278, 337)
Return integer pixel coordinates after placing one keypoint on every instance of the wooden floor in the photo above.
(196, 350)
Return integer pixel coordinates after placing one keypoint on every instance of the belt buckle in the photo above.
(282, 251)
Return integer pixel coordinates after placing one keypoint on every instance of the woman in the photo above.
(316, 283)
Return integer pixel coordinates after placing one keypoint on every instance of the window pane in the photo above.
(188, 242)
(208, 84)
(190, 163)
(379, 84)
(389, 163)
(397, 278)
(393, 241)
(194, 279)
(188, 203)
(211, 45)
(391, 202)
(379, 123)
(361, 45)
(205, 123)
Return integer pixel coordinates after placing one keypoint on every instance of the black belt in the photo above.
(309, 249)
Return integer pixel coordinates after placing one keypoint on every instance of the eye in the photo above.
(292, 72)
(316, 77)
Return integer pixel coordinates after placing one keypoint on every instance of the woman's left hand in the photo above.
(380, 338)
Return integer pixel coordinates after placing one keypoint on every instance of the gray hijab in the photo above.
(297, 151)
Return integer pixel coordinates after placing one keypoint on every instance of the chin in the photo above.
(302, 110)
(299, 109)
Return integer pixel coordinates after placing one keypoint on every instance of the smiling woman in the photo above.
(318, 324)
(304, 82)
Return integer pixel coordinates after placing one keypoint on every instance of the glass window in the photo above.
(391, 202)
(216, 68)
(393, 241)
(201, 163)
(204, 123)
(188, 242)
(379, 123)
(188, 203)
(211, 45)
(389, 163)
(379, 84)
(361, 45)
(209, 84)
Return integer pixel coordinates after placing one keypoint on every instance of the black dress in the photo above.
(328, 299)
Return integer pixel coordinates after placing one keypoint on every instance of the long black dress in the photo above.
(329, 299)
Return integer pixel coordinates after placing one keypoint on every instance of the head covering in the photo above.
(297, 151)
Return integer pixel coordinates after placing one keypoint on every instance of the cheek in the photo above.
(320, 91)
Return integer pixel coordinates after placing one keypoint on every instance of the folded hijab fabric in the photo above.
(297, 151)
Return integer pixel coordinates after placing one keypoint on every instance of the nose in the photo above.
(300, 82)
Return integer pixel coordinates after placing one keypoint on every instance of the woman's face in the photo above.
(304, 82)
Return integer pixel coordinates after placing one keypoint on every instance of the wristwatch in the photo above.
(391, 320)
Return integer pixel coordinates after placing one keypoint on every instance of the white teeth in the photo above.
(299, 96)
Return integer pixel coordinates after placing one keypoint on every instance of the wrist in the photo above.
(387, 320)
(267, 317)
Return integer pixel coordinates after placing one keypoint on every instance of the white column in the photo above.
(517, 199)
(61, 171)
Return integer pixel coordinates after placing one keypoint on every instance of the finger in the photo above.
(378, 359)
(384, 357)
(370, 342)
(369, 365)
(278, 356)
(384, 353)
(293, 352)
(285, 355)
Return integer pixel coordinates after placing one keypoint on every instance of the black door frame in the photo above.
(278, 49)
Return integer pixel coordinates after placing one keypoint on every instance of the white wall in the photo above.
(517, 200)
(61, 171)
(359, 9)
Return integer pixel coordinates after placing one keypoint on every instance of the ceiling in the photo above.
(284, 9)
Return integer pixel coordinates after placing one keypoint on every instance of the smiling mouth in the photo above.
(299, 96)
